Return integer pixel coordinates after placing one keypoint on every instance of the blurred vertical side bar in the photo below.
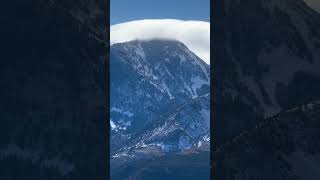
(53, 90)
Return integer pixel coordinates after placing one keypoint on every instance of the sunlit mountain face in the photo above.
(160, 105)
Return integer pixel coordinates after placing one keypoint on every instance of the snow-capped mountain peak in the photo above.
(150, 80)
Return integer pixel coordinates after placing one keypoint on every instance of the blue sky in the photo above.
(128, 10)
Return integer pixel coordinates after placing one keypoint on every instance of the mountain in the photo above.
(284, 147)
(53, 93)
(159, 101)
(267, 59)
(150, 80)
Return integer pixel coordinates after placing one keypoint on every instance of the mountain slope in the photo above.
(170, 167)
(267, 59)
(187, 128)
(282, 147)
(183, 135)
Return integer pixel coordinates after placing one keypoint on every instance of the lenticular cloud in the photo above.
(194, 34)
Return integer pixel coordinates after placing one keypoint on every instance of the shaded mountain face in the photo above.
(267, 59)
(150, 82)
(53, 94)
(282, 147)
(266, 67)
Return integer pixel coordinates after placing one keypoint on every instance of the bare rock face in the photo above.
(53, 94)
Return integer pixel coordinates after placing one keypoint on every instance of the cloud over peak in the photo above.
(194, 34)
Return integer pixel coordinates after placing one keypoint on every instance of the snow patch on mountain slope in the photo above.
(121, 111)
